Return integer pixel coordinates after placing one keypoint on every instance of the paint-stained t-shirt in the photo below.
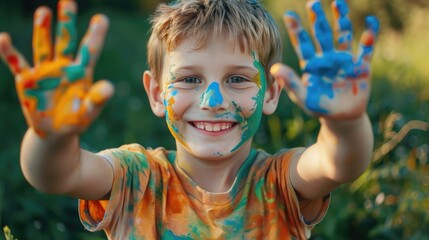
(153, 198)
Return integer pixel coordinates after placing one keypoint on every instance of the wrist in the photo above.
(343, 124)
(54, 139)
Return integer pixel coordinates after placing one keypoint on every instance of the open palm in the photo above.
(335, 83)
(57, 93)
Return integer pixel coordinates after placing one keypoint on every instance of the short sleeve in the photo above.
(303, 226)
(131, 175)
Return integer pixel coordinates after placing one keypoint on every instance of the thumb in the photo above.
(97, 96)
(289, 81)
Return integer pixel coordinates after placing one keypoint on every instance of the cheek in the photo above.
(175, 104)
(249, 103)
(170, 112)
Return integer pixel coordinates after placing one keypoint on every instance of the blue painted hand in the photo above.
(335, 82)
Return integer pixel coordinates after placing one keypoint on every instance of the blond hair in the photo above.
(245, 23)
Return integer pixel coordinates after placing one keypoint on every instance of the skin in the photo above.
(334, 87)
(59, 101)
(212, 106)
(215, 94)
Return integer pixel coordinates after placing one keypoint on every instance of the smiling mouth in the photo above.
(213, 127)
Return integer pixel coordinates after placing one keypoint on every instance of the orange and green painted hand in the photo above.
(57, 94)
(335, 82)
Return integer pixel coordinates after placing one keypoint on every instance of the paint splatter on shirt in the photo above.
(152, 198)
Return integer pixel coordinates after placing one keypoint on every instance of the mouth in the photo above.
(213, 126)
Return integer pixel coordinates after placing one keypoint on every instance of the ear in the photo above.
(154, 92)
(271, 99)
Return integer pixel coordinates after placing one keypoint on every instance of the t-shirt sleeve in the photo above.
(131, 175)
(295, 218)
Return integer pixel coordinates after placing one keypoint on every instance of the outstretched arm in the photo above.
(335, 87)
(59, 101)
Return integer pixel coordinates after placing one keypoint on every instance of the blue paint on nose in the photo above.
(212, 97)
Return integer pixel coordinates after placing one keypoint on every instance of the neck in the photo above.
(216, 174)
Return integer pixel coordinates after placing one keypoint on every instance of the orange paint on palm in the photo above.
(61, 101)
(69, 109)
(28, 102)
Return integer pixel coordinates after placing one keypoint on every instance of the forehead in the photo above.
(217, 52)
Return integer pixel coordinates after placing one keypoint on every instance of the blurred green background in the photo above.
(389, 201)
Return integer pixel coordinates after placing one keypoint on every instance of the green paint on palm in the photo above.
(43, 86)
(76, 72)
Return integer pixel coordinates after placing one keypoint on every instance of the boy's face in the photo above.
(213, 97)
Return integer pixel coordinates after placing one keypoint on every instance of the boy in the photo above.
(209, 63)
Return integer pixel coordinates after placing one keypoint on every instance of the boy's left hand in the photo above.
(335, 83)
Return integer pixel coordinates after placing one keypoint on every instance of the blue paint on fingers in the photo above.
(322, 30)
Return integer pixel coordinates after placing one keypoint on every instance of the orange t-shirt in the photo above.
(152, 198)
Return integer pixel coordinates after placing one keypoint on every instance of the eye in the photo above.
(191, 80)
(236, 79)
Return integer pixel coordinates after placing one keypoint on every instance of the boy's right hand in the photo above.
(57, 94)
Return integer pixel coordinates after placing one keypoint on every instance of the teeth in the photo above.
(212, 127)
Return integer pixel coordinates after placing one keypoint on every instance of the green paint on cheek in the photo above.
(251, 124)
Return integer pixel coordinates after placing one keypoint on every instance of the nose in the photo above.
(212, 99)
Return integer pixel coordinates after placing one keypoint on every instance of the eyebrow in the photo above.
(252, 69)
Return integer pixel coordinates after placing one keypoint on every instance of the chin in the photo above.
(214, 153)
(211, 154)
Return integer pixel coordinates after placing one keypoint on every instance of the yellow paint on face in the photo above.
(171, 117)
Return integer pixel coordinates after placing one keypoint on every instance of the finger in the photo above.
(342, 25)
(66, 35)
(367, 42)
(300, 39)
(321, 29)
(289, 81)
(97, 96)
(15, 61)
(42, 44)
(93, 40)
